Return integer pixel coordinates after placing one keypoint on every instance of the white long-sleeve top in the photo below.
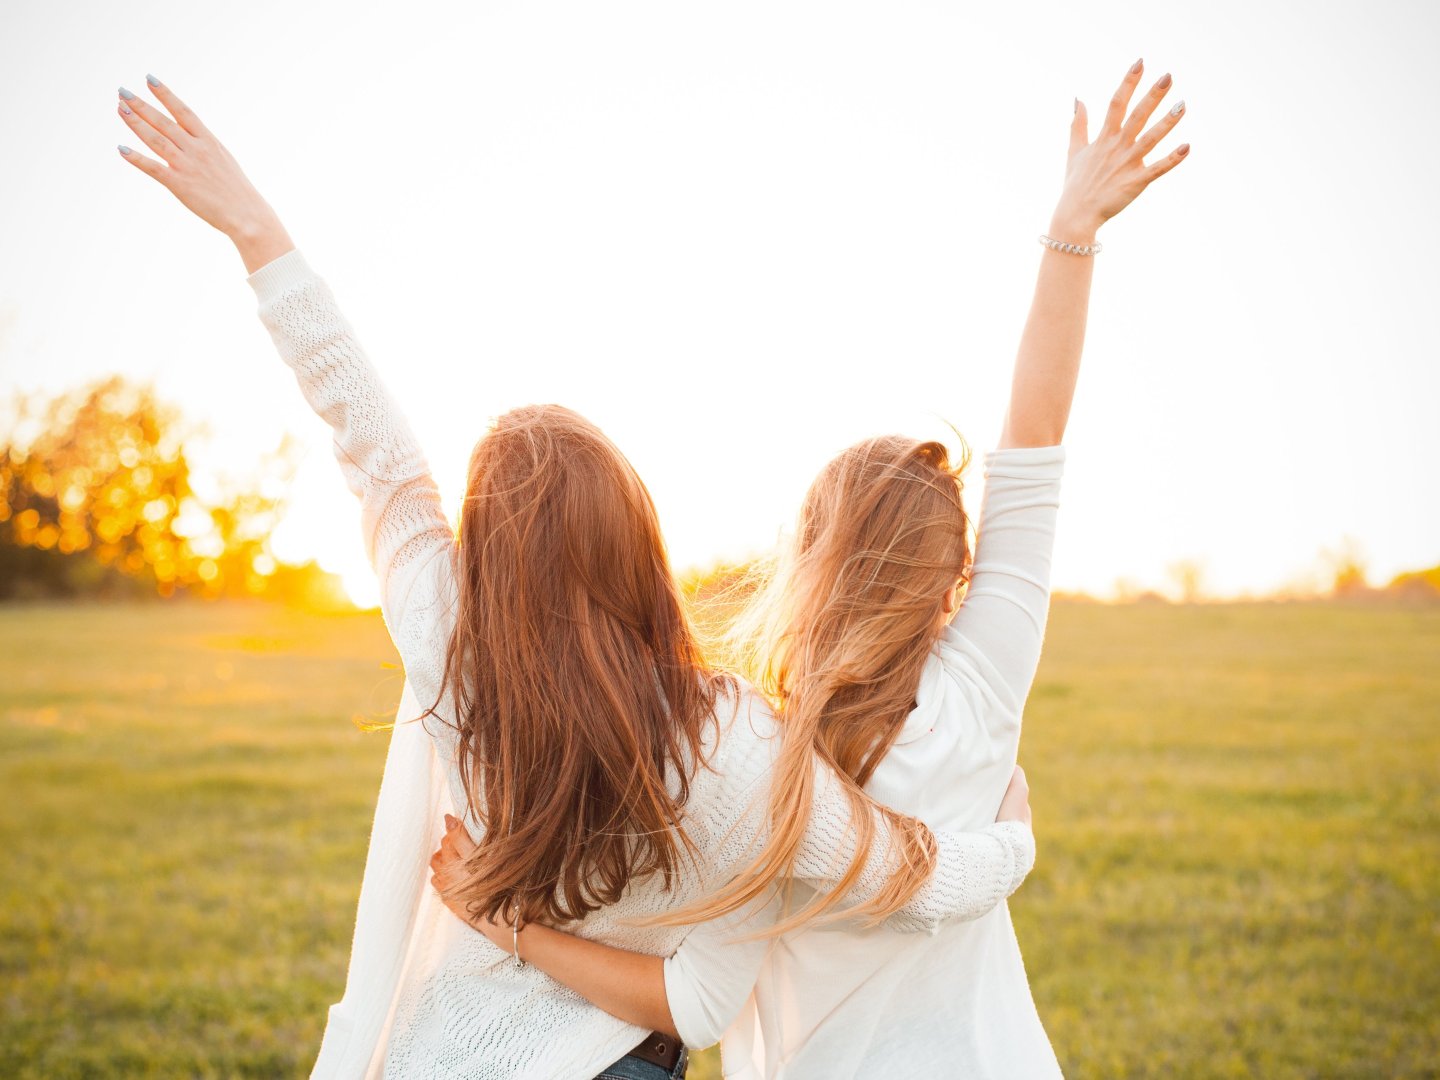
(839, 1001)
(426, 996)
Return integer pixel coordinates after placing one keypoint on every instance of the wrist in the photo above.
(1073, 227)
(260, 238)
(498, 935)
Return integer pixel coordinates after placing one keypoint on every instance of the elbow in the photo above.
(694, 1016)
(699, 1038)
(918, 920)
(698, 1026)
(928, 920)
(1019, 841)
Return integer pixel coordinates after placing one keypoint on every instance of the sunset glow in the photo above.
(741, 243)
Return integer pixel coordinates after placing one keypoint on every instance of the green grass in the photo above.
(1236, 807)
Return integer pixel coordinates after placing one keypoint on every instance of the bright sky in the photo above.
(740, 236)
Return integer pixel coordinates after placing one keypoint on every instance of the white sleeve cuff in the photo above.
(280, 275)
(1036, 461)
(1020, 840)
(693, 1023)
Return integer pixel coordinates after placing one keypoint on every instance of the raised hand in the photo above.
(1104, 176)
(196, 168)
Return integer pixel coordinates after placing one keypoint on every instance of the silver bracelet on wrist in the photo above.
(1070, 249)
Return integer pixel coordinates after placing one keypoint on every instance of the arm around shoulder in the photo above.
(974, 871)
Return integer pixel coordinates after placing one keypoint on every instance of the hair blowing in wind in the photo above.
(575, 678)
(836, 636)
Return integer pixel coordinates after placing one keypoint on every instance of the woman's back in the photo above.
(840, 1001)
(464, 1009)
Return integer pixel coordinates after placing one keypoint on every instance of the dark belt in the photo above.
(659, 1049)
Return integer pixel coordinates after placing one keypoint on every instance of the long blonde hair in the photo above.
(574, 675)
(835, 635)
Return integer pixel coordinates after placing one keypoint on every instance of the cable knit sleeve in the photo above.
(403, 523)
(974, 871)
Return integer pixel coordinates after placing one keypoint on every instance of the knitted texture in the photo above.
(462, 1008)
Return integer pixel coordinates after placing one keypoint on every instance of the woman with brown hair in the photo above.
(607, 773)
(861, 641)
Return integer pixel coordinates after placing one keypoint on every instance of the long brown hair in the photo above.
(573, 672)
(836, 635)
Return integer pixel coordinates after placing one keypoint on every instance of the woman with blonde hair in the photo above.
(607, 773)
(874, 663)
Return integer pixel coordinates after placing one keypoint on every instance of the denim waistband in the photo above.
(631, 1067)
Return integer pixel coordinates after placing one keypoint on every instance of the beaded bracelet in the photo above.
(1071, 249)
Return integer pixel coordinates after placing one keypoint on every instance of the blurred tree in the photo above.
(1417, 584)
(96, 498)
(1347, 570)
(1188, 576)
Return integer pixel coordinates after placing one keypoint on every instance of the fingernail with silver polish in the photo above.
(126, 94)
(122, 148)
(1178, 109)
(152, 80)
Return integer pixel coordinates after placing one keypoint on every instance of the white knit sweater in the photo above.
(425, 995)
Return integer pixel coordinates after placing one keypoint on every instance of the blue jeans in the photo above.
(631, 1067)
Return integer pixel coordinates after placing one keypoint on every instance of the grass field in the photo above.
(1236, 808)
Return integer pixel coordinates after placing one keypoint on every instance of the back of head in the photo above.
(836, 635)
(574, 676)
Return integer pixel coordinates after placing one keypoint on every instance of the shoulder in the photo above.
(743, 714)
(746, 735)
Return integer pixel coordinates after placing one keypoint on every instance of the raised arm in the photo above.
(995, 638)
(1101, 178)
(404, 526)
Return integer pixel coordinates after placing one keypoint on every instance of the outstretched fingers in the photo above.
(1079, 128)
(1168, 162)
(1145, 107)
(1160, 129)
(155, 129)
(149, 166)
(1121, 101)
(183, 114)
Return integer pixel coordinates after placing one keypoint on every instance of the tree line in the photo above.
(97, 498)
